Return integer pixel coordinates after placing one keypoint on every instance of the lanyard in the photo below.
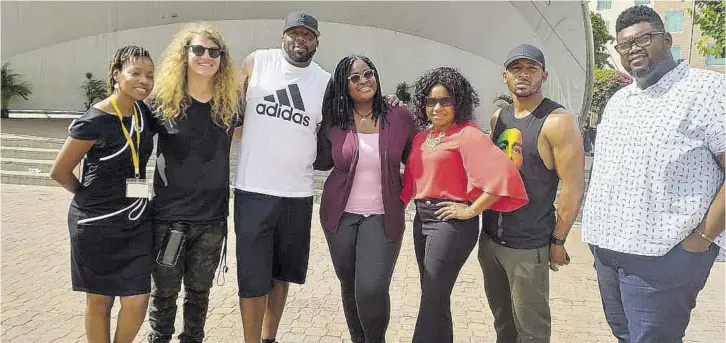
(134, 152)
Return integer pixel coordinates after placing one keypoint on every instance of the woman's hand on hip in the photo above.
(454, 210)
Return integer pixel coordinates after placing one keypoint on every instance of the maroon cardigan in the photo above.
(338, 149)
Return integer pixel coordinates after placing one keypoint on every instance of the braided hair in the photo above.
(338, 105)
(122, 56)
(465, 97)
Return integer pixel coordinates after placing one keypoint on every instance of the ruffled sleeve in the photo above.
(489, 170)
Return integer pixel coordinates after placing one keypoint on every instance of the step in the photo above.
(21, 141)
(28, 153)
(27, 178)
(39, 166)
(21, 164)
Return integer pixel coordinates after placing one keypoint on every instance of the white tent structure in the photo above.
(53, 44)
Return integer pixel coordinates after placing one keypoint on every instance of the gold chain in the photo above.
(362, 118)
(431, 142)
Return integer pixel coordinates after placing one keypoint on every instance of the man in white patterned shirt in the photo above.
(655, 203)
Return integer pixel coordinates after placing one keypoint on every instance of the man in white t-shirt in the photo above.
(273, 197)
(654, 214)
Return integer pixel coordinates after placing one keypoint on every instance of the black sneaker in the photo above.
(268, 341)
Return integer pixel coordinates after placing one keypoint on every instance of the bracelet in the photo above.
(556, 240)
(704, 236)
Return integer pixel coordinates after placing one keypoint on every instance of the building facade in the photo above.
(678, 22)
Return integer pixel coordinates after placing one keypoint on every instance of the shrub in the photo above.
(402, 92)
(12, 87)
(606, 83)
(93, 89)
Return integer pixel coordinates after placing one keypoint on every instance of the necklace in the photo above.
(363, 118)
(431, 142)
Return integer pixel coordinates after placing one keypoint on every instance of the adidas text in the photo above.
(283, 112)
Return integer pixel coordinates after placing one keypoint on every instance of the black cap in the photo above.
(527, 51)
(304, 19)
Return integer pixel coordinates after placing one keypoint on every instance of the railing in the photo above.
(44, 114)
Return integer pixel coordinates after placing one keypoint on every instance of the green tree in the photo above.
(710, 16)
(607, 82)
(93, 89)
(12, 87)
(402, 92)
(600, 38)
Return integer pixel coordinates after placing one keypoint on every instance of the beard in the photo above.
(642, 72)
(649, 68)
(533, 89)
(300, 57)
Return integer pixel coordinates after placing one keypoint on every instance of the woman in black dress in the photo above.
(111, 237)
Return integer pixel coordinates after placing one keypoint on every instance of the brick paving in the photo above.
(38, 305)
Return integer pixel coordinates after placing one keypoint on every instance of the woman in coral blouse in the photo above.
(454, 172)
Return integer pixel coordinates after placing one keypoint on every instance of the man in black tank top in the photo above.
(517, 249)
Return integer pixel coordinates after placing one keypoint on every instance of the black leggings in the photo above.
(442, 247)
(364, 260)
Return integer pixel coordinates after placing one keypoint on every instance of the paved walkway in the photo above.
(38, 305)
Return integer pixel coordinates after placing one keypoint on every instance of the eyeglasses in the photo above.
(641, 41)
(199, 51)
(445, 101)
(356, 78)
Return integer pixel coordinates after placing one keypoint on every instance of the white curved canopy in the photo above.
(406, 37)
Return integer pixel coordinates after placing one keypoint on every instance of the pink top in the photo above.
(366, 194)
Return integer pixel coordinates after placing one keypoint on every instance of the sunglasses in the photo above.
(445, 101)
(198, 50)
(356, 78)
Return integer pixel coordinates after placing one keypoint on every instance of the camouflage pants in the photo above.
(198, 260)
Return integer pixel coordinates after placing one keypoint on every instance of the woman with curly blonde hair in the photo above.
(198, 104)
(171, 97)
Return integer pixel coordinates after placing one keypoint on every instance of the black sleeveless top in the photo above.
(529, 227)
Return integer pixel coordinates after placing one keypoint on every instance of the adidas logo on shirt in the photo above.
(280, 106)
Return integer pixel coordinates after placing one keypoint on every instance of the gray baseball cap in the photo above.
(526, 51)
(304, 19)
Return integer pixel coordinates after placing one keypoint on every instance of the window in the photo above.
(674, 21)
(642, 2)
(676, 52)
(604, 4)
(713, 61)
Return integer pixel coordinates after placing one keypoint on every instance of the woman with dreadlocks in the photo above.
(365, 142)
(111, 239)
(454, 172)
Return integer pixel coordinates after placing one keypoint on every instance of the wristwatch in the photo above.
(556, 241)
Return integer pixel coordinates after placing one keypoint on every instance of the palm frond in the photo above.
(13, 86)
